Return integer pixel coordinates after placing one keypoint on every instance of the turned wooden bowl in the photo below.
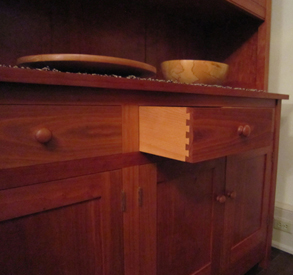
(195, 71)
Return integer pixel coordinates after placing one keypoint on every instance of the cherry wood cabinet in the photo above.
(78, 196)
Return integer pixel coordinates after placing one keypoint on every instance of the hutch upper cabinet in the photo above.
(103, 174)
(151, 31)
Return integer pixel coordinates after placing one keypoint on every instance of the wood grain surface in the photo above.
(85, 63)
(255, 7)
(197, 134)
(64, 226)
(76, 133)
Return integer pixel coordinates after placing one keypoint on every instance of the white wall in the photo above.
(281, 81)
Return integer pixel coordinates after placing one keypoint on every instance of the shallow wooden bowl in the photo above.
(195, 71)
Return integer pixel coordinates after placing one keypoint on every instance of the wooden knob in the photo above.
(232, 194)
(43, 135)
(221, 199)
(244, 130)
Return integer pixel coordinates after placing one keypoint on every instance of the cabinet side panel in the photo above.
(273, 174)
(263, 50)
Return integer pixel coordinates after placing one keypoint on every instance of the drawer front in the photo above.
(216, 132)
(41, 134)
(197, 134)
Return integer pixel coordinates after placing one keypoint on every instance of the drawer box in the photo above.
(34, 134)
(197, 134)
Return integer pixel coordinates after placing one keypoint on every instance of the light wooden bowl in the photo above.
(195, 71)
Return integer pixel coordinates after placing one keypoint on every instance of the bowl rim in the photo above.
(197, 60)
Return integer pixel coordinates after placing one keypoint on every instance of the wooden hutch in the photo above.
(82, 198)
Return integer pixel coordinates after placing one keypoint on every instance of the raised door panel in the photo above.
(246, 213)
(189, 217)
(72, 226)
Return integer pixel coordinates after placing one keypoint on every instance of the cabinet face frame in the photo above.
(139, 218)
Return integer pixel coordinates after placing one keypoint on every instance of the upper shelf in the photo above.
(29, 76)
(255, 7)
(149, 31)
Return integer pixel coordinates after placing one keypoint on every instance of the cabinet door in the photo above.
(256, 7)
(71, 226)
(246, 213)
(189, 223)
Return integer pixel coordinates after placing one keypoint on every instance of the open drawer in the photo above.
(195, 134)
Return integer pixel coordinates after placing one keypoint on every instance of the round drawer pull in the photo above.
(43, 135)
(244, 130)
(221, 199)
(232, 195)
